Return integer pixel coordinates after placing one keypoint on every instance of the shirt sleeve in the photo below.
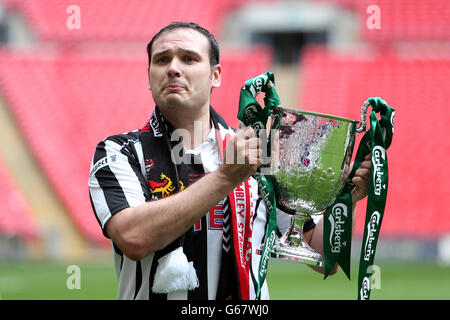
(116, 181)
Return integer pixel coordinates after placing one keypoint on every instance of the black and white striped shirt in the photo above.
(117, 181)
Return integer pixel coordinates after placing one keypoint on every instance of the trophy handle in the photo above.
(362, 125)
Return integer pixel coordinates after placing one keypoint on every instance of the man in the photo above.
(169, 220)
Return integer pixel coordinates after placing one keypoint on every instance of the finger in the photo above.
(254, 146)
(361, 184)
(365, 165)
(248, 132)
(254, 142)
(363, 173)
(254, 157)
(246, 149)
(247, 143)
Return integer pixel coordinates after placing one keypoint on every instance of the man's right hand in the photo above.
(242, 156)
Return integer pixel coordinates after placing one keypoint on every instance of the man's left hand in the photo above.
(361, 180)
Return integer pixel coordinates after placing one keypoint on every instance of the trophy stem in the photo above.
(292, 247)
(295, 232)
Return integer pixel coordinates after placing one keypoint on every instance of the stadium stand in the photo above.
(417, 88)
(66, 101)
(79, 86)
(407, 20)
(16, 219)
(401, 20)
(123, 20)
(69, 95)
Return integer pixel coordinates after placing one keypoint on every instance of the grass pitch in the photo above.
(291, 281)
(397, 281)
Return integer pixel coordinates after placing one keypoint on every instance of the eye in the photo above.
(189, 58)
(162, 59)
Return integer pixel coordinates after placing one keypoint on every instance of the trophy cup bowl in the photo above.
(309, 165)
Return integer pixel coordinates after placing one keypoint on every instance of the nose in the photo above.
(173, 69)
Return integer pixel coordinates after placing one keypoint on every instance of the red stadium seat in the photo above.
(16, 218)
(122, 19)
(338, 83)
(92, 82)
(66, 101)
(401, 19)
(407, 20)
(125, 19)
(237, 67)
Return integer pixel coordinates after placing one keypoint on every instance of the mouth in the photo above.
(174, 87)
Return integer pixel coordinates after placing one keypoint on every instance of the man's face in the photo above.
(180, 74)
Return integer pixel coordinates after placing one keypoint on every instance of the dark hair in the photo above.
(214, 51)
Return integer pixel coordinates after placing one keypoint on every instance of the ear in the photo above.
(216, 75)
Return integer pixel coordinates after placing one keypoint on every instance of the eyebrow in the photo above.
(184, 50)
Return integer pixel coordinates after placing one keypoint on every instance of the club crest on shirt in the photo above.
(164, 186)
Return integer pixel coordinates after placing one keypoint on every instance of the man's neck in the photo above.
(194, 128)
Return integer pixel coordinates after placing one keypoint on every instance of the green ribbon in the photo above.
(338, 217)
(381, 132)
(252, 114)
(337, 233)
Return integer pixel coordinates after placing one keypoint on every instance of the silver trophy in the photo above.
(309, 164)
